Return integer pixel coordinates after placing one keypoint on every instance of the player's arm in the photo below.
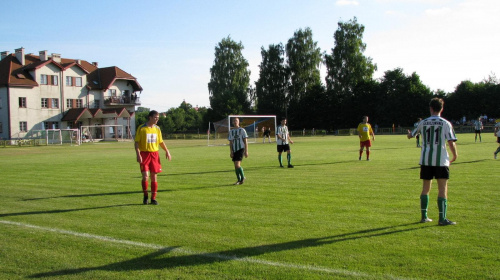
(246, 146)
(453, 149)
(164, 147)
(290, 139)
(231, 152)
(138, 152)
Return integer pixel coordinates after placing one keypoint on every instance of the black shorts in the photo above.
(478, 131)
(498, 140)
(238, 155)
(438, 172)
(283, 148)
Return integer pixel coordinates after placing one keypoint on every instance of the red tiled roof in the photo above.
(12, 73)
(75, 114)
(103, 78)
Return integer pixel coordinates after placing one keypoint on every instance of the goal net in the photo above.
(97, 133)
(255, 126)
(56, 136)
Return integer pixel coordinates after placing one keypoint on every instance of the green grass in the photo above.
(75, 212)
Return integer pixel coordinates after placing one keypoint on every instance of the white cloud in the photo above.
(346, 3)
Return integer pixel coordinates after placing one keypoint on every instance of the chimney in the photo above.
(95, 64)
(4, 54)
(79, 61)
(20, 56)
(44, 55)
(56, 57)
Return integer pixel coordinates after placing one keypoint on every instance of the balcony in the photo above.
(122, 100)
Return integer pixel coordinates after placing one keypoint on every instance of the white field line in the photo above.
(208, 255)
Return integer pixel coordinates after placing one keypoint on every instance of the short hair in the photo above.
(152, 113)
(436, 104)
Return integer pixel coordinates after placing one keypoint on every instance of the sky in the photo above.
(169, 45)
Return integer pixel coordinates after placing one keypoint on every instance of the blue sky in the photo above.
(169, 45)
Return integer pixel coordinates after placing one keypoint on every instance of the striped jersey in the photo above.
(478, 125)
(283, 132)
(435, 132)
(149, 138)
(237, 135)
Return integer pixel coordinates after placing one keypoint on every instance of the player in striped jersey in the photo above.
(283, 139)
(434, 158)
(239, 147)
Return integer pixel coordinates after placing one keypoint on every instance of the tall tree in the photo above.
(304, 58)
(272, 85)
(229, 84)
(346, 65)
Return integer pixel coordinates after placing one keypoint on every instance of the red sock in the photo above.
(154, 189)
(360, 153)
(367, 154)
(145, 188)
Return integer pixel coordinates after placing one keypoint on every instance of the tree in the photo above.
(230, 80)
(347, 66)
(304, 59)
(272, 85)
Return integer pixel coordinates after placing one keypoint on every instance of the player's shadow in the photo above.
(60, 210)
(160, 259)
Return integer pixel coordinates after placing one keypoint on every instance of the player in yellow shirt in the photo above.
(148, 140)
(364, 132)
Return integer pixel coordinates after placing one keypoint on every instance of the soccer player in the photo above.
(434, 158)
(364, 132)
(267, 134)
(418, 135)
(283, 140)
(497, 134)
(478, 126)
(148, 139)
(238, 146)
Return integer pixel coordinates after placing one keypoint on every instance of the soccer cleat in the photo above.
(281, 166)
(495, 155)
(290, 166)
(446, 222)
(154, 202)
(237, 183)
(367, 159)
(242, 180)
(145, 200)
(426, 220)
(359, 158)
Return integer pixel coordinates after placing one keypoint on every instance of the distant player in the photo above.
(148, 139)
(238, 146)
(267, 134)
(418, 135)
(434, 159)
(364, 132)
(478, 126)
(497, 134)
(283, 142)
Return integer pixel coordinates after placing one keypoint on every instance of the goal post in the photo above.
(254, 125)
(56, 136)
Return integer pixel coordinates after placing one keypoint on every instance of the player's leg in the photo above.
(360, 150)
(289, 158)
(144, 184)
(443, 202)
(424, 200)
(238, 171)
(367, 153)
(280, 150)
(154, 188)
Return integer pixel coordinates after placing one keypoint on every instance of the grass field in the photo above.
(75, 212)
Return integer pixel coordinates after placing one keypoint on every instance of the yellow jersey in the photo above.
(148, 138)
(364, 130)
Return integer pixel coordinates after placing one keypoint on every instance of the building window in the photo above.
(74, 103)
(79, 103)
(78, 81)
(45, 103)
(69, 103)
(43, 79)
(55, 102)
(51, 125)
(54, 80)
(69, 81)
(22, 102)
(23, 126)
(112, 92)
(97, 103)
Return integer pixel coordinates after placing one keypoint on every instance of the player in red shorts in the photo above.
(364, 132)
(148, 140)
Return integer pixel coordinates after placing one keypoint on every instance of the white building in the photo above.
(50, 92)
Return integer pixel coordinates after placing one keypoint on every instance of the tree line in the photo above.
(289, 85)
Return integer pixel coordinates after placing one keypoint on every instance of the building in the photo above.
(39, 92)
